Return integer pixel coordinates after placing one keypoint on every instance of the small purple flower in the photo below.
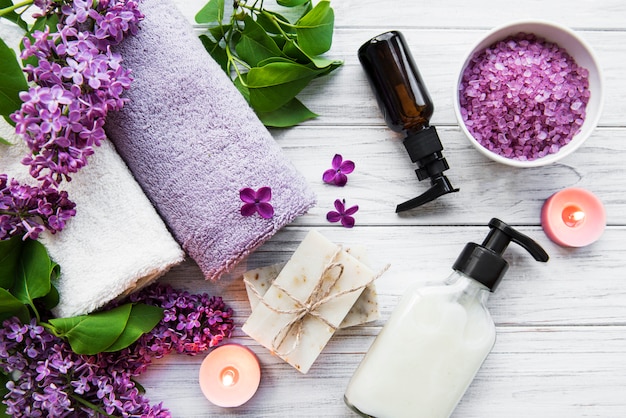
(337, 174)
(256, 202)
(342, 214)
(27, 211)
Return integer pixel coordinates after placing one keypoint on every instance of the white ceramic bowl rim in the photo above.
(577, 48)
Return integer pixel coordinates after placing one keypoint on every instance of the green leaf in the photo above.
(51, 299)
(315, 29)
(291, 114)
(291, 49)
(13, 81)
(255, 44)
(219, 32)
(33, 273)
(240, 83)
(326, 65)
(217, 52)
(10, 306)
(93, 333)
(10, 252)
(272, 22)
(142, 319)
(291, 3)
(4, 141)
(275, 84)
(213, 11)
(139, 386)
(275, 59)
(12, 16)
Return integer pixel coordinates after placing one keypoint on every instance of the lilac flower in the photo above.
(256, 202)
(77, 75)
(342, 214)
(28, 211)
(192, 324)
(44, 5)
(74, 71)
(76, 12)
(337, 174)
(47, 381)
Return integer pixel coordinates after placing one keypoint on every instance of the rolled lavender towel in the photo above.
(192, 142)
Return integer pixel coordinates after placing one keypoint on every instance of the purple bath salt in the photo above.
(523, 97)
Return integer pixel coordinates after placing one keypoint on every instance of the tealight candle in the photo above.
(230, 375)
(573, 217)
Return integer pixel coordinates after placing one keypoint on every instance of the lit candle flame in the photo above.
(573, 216)
(229, 377)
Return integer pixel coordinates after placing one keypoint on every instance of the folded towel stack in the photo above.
(192, 142)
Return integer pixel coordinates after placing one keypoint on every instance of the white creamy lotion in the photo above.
(428, 353)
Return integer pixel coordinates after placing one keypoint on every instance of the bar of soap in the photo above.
(299, 277)
(364, 310)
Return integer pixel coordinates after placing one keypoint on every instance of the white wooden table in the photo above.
(561, 344)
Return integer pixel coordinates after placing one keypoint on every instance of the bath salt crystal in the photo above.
(523, 97)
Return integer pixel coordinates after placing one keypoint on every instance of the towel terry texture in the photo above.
(115, 244)
(192, 142)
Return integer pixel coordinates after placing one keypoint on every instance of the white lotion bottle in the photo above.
(437, 338)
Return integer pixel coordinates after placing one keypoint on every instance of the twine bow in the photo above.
(321, 294)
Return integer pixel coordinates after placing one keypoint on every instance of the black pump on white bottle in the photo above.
(430, 349)
(407, 107)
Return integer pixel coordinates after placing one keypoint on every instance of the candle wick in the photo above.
(578, 216)
(229, 376)
(573, 216)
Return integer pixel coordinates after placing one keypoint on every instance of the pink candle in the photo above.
(573, 217)
(230, 375)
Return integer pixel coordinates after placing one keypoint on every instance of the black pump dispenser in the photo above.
(485, 264)
(407, 107)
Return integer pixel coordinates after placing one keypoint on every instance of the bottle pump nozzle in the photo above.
(485, 264)
(407, 107)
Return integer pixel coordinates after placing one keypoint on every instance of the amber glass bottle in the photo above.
(407, 107)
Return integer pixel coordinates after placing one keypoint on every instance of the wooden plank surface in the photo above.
(561, 344)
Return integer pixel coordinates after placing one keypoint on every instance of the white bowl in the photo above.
(577, 49)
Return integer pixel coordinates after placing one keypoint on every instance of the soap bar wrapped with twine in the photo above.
(308, 301)
(364, 310)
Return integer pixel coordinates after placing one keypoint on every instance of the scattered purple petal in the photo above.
(342, 214)
(256, 202)
(337, 174)
(523, 97)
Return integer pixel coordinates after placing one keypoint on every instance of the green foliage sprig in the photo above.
(269, 57)
(27, 290)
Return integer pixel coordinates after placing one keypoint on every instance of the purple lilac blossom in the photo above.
(342, 214)
(523, 97)
(337, 174)
(46, 377)
(27, 211)
(256, 201)
(78, 80)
